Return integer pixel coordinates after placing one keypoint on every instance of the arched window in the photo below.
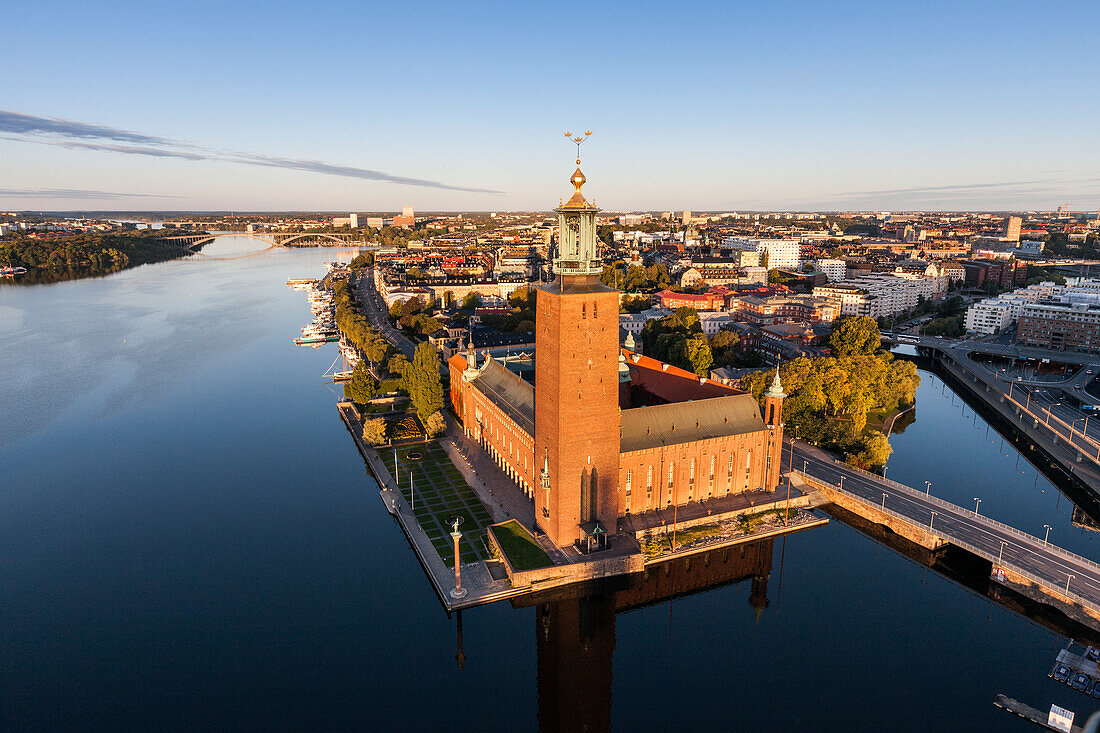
(593, 496)
(583, 311)
(595, 314)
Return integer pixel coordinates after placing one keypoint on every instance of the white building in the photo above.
(994, 315)
(876, 295)
(353, 219)
(407, 211)
(834, 269)
(780, 253)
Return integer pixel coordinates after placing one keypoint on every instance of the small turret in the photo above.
(471, 372)
(629, 343)
(773, 402)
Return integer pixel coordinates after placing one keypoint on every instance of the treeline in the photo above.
(632, 278)
(91, 252)
(418, 378)
(678, 339)
(829, 399)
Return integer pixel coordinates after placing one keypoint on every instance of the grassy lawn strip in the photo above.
(684, 538)
(522, 552)
(749, 522)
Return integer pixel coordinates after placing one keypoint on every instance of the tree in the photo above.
(374, 431)
(362, 386)
(471, 301)
(435, 424)
(855, 336)
(694, 354)
(422, 380)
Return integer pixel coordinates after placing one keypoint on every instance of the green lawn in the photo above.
(437, 492)
(522, 552)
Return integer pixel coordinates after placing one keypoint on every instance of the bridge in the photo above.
(275, 239)
(1025, 564)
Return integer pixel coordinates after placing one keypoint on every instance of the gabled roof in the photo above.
(669, 383)
(514, 397)
(684, 422)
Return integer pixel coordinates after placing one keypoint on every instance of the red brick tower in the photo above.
(577, 386)
(773, 418)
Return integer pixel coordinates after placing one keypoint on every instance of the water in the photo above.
(188, 539)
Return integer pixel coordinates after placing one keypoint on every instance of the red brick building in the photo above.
(575, 442)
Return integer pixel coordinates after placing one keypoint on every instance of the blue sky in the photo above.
(461, 106)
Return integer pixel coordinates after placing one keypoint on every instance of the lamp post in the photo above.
(1000, 553)
(458, 591)
(884, 495)
(1071, 576)
(1049, 408)
(930, 521)
(1046, 537)
(1027, 403)
(884, 470)
(842, 482)
(927, 487)
(977, 502)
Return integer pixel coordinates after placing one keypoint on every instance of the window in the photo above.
(691, 471)
(594, 313)
(582, 311)
(713, 461)
(629, 473)
(729, 471)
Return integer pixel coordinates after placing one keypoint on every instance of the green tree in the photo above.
(363, 386)
(422, 380)
(435, 424)
(855, 335)
(374, 431)
(471, 301)
(694, 354)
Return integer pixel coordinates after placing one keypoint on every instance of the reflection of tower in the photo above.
(575, 645)
(577, 385)
(758, 597)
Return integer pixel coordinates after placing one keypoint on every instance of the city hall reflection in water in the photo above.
(575, 631)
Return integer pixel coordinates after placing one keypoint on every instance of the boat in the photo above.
(301, 283)
(308, 340)
(12, 271)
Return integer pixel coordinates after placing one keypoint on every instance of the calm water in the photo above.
(188, 539)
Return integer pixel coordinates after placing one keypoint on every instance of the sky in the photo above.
(729, 106)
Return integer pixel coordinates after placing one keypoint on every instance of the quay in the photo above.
(487, 582)
(1020, 406)
(1030, 714)
(1027, 565)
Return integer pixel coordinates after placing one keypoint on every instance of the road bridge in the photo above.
(1022, 562)
(275, 239)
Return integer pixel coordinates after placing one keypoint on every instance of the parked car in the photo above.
(1095, 691)
(1080, 682)
(1060, 673)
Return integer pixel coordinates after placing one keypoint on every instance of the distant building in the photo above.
(994, 315)
(1003, 273)
(407, 211)
(353, 221)
(686, 219)
(1012, 228)
(784, 254)
(374, 222)
(834, 269)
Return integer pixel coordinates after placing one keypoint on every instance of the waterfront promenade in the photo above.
(1019, 560)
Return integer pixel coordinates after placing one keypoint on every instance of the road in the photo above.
(374, 307)
(1049, 562)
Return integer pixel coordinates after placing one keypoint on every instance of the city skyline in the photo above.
(726, 108)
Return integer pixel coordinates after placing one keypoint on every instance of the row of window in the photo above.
(671, 479)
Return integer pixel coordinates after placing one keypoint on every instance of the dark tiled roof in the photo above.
(514, 397)
(684, 422)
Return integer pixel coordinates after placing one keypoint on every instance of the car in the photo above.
(1080, 682)
(1088, 371)
(1060, 673)
(1095, 691)
(1077, 386)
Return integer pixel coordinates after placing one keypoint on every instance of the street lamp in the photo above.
(1047, 535)
(927, 487)
(977, 501)
(1071, 576)
(884, 470)
(930, 521)
(458, 591)
(1049, 408)
(1000, 553)
(884, 495)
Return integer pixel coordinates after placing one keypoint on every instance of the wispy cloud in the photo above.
(75, 193)
(953, 188)
(101, 138)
